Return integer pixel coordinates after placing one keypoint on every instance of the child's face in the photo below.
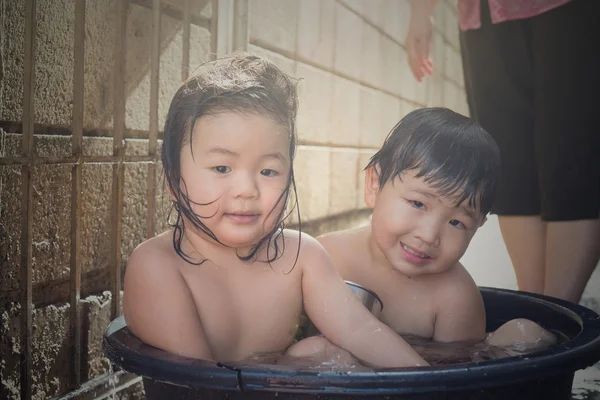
(240, 165)
(417, 230)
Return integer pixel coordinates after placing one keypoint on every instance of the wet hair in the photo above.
(241, 83)
(453, 154)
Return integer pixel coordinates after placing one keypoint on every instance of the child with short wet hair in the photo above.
(228, 281)
(430, 186)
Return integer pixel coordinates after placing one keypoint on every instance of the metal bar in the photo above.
(153, 136)
(76, 185)
(117, 191)
(214, 26)
(26, 190)
(185, 60)
(176, 13)
(74, 160)
(118, 169)
(58, 290)
(64, 130)
(240, 25)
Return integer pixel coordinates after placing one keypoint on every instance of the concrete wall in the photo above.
(355, 85)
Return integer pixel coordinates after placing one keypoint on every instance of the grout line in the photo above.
(372, 24)
(295, 57)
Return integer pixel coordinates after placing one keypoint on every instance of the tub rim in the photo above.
(579, 352)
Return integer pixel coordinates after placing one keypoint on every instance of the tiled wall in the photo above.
(355, 84)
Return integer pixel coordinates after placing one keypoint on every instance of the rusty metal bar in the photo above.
(118, 169)
(117, 192)
(173, 11)
(65, 130)
(74, 160)
(76, 185)
(153, 135)
(214, 26)
(58, 290)
(26, 190)
(240, 25)
(185, 60)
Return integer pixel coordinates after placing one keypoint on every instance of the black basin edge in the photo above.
(213, 375)
(580, 352)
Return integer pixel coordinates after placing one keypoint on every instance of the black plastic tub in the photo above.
(547, 374)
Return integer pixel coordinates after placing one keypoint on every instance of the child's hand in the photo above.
(321, 353)
(418, 39)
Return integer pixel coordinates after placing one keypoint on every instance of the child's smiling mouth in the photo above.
(414, 256)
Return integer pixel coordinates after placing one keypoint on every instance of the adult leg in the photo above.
(568, 142)
(573, 250)
(525, 240)
(498, 72)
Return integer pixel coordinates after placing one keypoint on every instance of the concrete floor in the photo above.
(488, 262)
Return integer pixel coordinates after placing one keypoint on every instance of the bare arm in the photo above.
(159, 307)
(423, 7)
(418, 39)
(460, 315)
(342, 319)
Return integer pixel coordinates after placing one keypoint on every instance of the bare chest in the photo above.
(246, 311)
(408, 307)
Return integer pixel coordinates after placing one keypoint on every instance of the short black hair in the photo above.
(453, 153)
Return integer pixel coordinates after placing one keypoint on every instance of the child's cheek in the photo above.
(207, 194)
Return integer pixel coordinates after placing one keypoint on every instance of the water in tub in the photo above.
(519, 337)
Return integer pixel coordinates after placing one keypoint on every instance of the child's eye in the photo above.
(457, 224)
(417, 204)
(269, 172)
(222, 169)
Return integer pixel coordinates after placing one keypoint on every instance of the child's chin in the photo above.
(411, 271)
(240, 242)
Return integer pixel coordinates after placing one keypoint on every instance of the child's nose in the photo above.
(429, 232)
(245, 186)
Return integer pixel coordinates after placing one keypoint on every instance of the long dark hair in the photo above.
(240, 83)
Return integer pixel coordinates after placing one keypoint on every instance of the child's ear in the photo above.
(483, 221)
(371, 185)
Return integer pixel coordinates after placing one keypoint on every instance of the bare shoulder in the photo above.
(457, 286)
(459, 309)
(291, 251)
(156, 245)
(306, 250)
(302, 244)
(158, 305)
(345, 237)
(152, 270)
(346, 248)
(155, 255)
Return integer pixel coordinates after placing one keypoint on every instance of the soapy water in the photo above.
(435, 353)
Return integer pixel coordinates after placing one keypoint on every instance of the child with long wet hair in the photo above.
(227, 281)
(239, 86)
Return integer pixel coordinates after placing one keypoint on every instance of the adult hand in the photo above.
(418, 39)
